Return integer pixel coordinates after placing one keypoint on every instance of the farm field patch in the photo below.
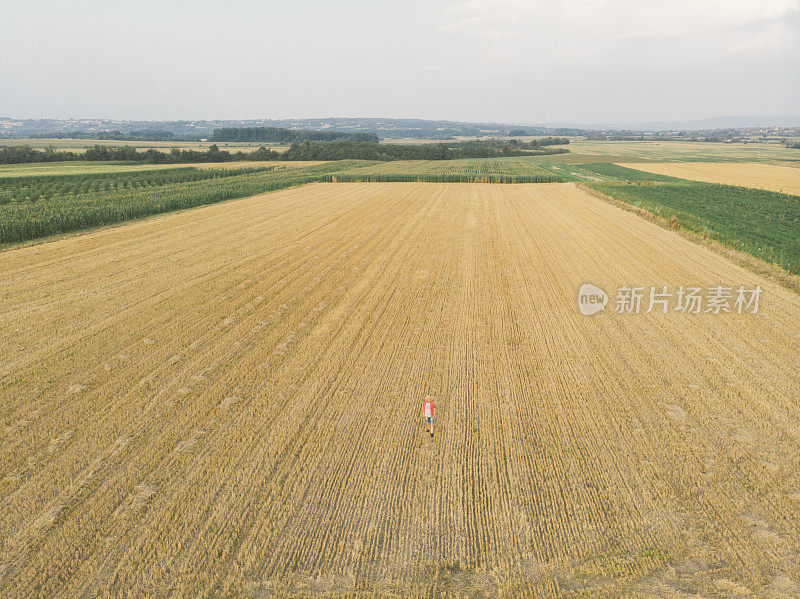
(226, 401)
(682, 151)
(32, 169)
(80, 145)
(37, 206)
(469, 169)
(783, 179)
(761, 223)
(80, 167)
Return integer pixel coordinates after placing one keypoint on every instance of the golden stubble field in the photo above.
(226, 402)
(784, 179)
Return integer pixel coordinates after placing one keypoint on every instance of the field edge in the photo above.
(772, 272)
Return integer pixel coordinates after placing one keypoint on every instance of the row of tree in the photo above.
(23, 154)
(137, 135)
(437, 151)
(226, 134)
(280, 135)
(546, 141)
(308, 150)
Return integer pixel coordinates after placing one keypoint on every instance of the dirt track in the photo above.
(227, 400)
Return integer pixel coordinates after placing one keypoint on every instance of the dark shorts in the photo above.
(429, 419)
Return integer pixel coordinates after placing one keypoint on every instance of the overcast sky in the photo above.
(524, 61)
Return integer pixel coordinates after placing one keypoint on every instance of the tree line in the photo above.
(226, 134)
(116, 135)
(25, 154)
(280, 135)
(547, 141)
(435, 151)
(307, 150)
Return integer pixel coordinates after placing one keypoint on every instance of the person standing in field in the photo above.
(428, 412)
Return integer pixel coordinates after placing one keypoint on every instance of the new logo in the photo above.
(591, 299)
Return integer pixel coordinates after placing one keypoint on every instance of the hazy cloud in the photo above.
(615, 25)
(500, 60)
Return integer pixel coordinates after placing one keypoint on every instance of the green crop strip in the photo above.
(764, 224)
(34, 207)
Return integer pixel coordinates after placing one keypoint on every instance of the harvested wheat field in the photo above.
(226, 402)
(784, 179)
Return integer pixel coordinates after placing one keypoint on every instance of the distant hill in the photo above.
(712, 123)
(385, 128)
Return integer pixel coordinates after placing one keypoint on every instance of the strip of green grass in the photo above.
(622, 173)
(765, 224)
